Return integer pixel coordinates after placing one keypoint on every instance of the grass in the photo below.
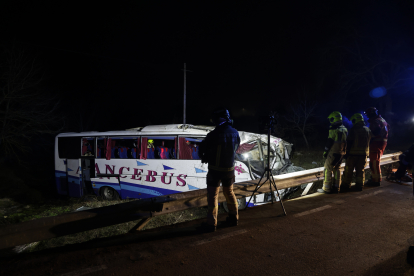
(308, 159)
(14, 212)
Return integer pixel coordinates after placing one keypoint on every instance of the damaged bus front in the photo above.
(253, 152)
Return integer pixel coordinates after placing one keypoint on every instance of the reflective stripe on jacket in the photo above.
(358, 140)
(338, 135)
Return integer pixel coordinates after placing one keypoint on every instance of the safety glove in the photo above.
(325, 154)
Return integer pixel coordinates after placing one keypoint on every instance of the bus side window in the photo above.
(189, 148)
(100, 148)
(87, 147)
(163, 147)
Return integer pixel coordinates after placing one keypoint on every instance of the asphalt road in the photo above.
(356, 233)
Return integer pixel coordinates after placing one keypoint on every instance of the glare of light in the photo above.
(378, 92)
(245, 155)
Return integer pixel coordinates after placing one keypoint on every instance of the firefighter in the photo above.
(334, 151)
(379, 129)
(218, 150)
(357, 150)
(150, 149)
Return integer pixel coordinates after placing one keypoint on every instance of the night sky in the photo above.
(121, 63)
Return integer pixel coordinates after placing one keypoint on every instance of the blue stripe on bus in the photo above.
(144, 191)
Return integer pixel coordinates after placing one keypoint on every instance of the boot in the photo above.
(358, 188)
(230, 221)
(322, 191)
(206, 228)
(371, 183)
(344, 189)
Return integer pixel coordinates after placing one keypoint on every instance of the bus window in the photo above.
(189, 148)
(123, 147)
(88, 146)
(100, 148)
(158, 147)
(69, 147)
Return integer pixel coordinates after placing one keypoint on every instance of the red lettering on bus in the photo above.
(164, 174)
(150, 177)
(97, 170)
(182, 184)
(137, 173)
(121, 169)
(109, 169)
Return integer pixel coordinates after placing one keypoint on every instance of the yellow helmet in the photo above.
(335, 117)
(356, 118)
(150, 141)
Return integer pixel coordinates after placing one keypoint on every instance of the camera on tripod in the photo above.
(268, 122)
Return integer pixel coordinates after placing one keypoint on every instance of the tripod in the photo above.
(268, 171)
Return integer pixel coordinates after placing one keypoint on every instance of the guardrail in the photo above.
(71, 223)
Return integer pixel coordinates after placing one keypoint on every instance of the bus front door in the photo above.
(74, 172)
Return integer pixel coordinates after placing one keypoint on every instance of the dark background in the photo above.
(118, 65)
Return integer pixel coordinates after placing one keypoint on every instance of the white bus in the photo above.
(152, 161)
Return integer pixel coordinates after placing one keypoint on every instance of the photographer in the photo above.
(218, 150)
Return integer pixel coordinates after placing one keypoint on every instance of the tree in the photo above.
(26, 110)
(300, 116)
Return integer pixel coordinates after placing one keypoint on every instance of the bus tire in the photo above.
(109, 194)
(240, 201)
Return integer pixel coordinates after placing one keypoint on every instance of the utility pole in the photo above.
(185, 91)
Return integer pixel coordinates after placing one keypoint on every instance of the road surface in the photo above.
(356, 233)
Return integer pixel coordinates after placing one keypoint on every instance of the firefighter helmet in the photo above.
(371, 112)
(356, 118)
(335, 117)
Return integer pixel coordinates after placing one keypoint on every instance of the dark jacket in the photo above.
(219, 147)
(358, 139)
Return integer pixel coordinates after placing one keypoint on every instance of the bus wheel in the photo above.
(109, 193)
(240, 201)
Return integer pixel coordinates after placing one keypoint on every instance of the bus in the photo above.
(152, 161)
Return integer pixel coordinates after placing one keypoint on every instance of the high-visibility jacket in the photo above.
(358, 140)
(379, 128)
(337, 139)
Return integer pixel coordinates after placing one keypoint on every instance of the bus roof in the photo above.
(172, 129)
(175, 129)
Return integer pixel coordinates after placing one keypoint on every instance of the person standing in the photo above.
(334, 151)
(357, 150)
(218, 150)
(379, 129)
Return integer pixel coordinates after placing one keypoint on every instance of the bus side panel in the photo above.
(61, 177)
(74, 178)
(112, 182)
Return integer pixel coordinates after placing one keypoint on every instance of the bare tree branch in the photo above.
(26, 110)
